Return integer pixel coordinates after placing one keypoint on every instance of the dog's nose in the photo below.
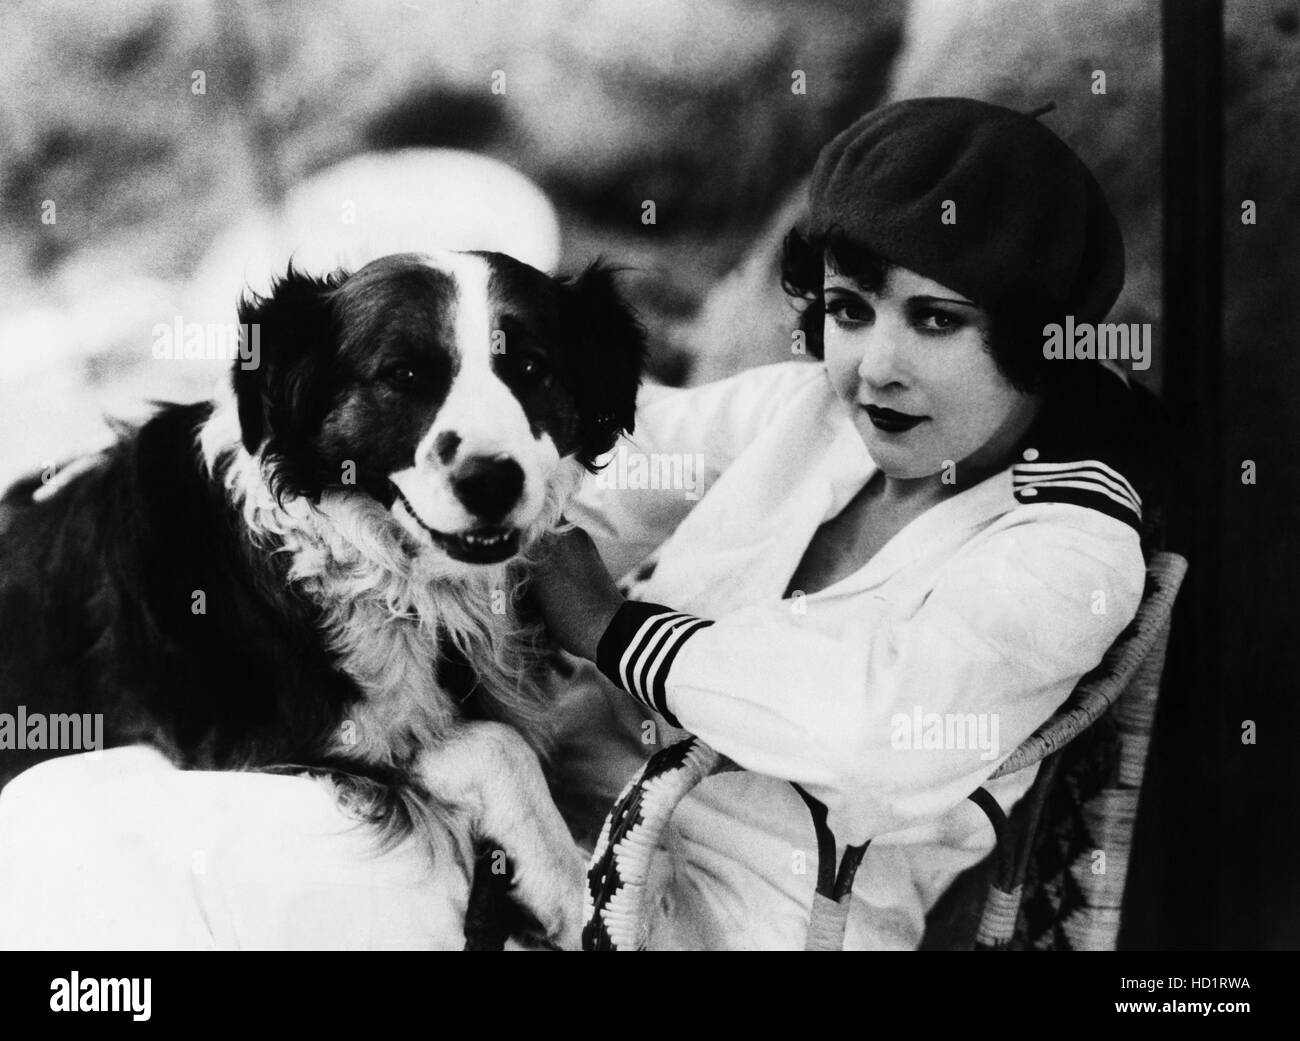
(445, 445)
(488, 486)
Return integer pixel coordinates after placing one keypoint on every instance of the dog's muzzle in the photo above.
(481, 544)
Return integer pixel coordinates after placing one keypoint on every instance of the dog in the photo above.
(323, 569)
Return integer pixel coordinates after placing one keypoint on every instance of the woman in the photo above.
(937, 523)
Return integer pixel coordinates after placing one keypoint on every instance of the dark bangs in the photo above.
(803, 273)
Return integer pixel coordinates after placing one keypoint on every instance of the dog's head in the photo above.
(453, 389)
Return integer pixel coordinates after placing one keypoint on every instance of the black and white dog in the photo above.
(321, 570)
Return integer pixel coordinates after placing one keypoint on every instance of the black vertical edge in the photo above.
(1176, 897)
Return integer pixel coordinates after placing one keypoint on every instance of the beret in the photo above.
(1031, 222)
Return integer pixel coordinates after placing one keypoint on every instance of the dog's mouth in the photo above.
(477, 545)
(484, 544)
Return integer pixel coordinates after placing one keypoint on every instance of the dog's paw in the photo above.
(550, 887)
(490, 773)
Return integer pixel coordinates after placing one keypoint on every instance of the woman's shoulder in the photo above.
(744, 402)
(779, 388)
(772, 384)
(1102, 444)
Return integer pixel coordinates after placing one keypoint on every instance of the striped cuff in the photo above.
(638, 649)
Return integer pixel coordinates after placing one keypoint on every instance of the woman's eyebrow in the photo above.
(942, 300)
(841, 284)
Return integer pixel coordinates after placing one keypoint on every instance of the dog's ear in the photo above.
(610, 345)
(279, 387)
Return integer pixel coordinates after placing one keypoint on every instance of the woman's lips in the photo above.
(891, 422)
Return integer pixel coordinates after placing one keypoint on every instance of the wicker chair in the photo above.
(1124, 687)
(1120, 693)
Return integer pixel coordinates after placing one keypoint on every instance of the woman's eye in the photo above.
(939, 322)
(848, 312)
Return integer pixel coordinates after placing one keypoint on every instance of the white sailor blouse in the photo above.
(889, 696)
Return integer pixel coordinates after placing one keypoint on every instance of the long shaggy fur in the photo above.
(387, 604)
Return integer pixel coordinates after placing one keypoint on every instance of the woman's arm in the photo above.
(999, 643)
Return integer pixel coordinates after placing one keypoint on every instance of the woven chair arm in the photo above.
(618, 874)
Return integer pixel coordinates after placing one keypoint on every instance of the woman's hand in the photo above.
(575, 592)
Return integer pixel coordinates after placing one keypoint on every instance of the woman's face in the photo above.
(910, 361)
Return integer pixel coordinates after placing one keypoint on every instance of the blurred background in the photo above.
(158, 155)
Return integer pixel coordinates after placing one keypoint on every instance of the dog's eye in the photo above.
(402, 375)
(532, 369)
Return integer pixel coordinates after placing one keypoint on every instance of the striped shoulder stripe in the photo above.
(1035, 489)
(638, 648)
(1089, 483)
(1106, 474)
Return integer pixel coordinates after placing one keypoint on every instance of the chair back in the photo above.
(1115, 700)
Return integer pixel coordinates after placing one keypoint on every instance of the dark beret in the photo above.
(1031, 221)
